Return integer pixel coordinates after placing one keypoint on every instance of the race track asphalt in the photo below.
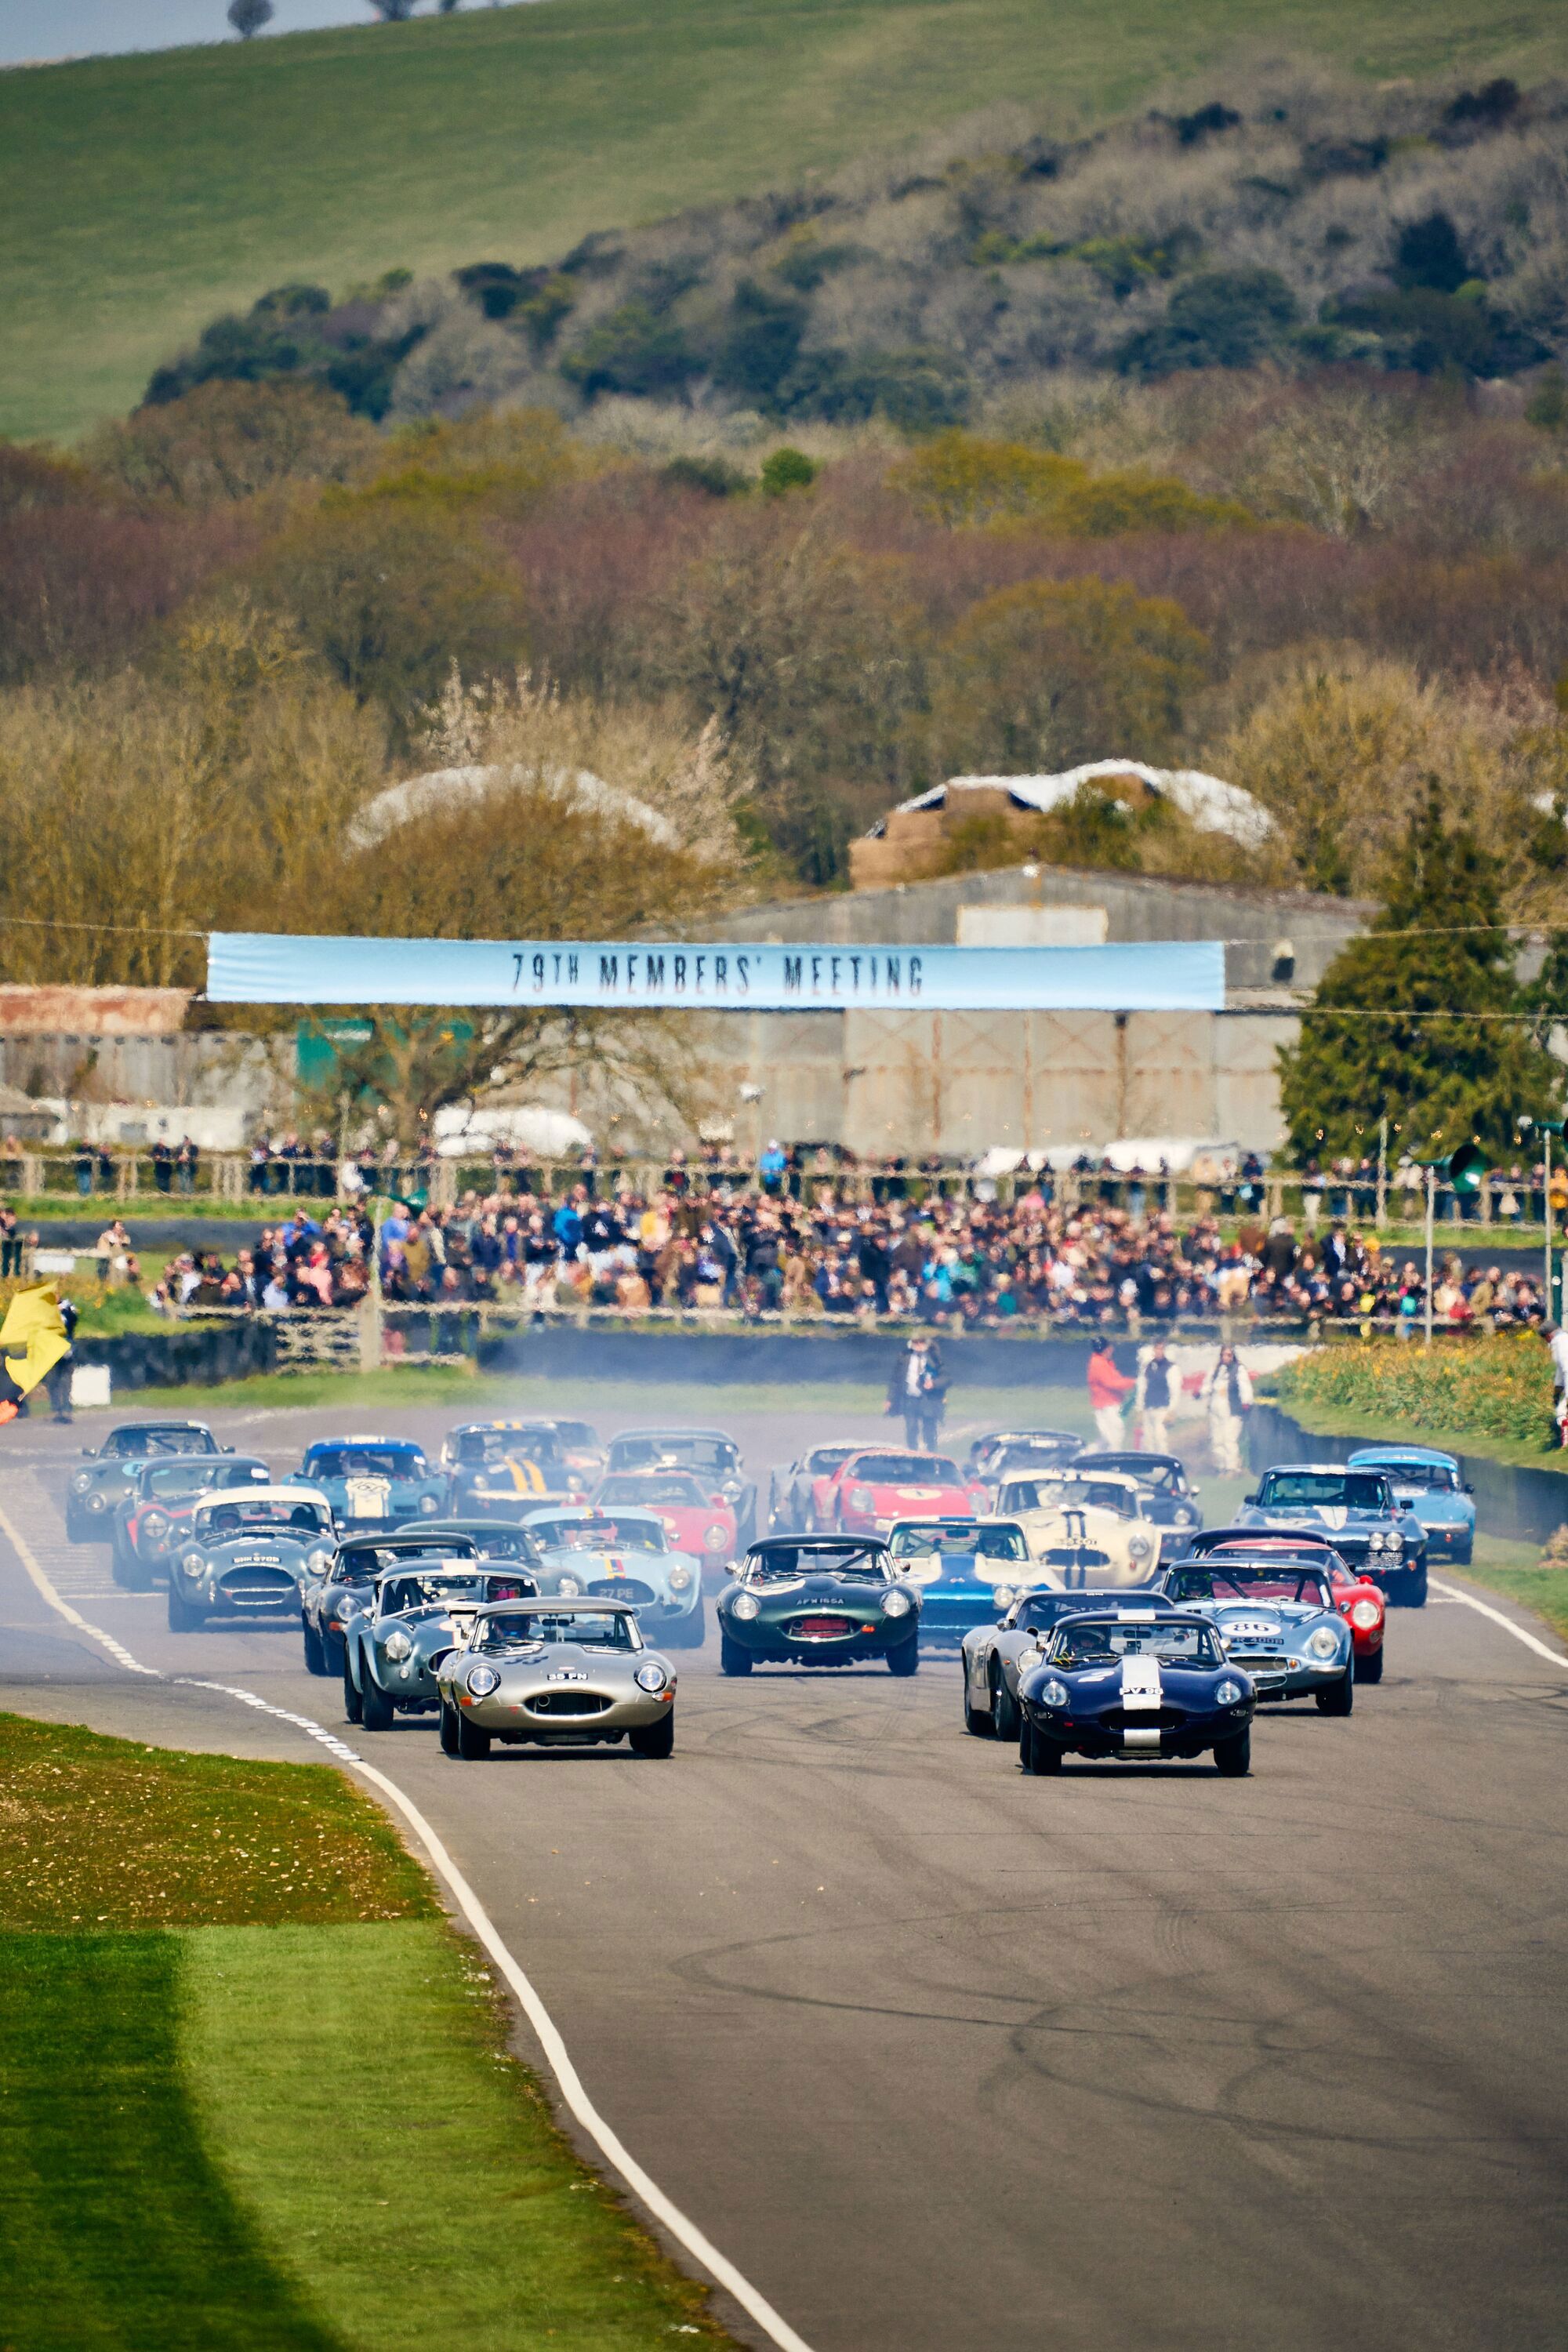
(943, 2058)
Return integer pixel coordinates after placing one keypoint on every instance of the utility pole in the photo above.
(1431, 1205)
(1381, 1169)
(1546, 1216)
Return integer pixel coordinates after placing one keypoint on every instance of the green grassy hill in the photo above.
(143, 193)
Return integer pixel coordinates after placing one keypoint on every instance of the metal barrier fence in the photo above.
(134, 1179)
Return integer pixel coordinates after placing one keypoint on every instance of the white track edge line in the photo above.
(1520, 1633)
(687, 2234)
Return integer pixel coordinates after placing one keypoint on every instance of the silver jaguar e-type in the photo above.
(558, 1673)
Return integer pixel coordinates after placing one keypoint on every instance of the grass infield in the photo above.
(143, 193)
(297, 2126)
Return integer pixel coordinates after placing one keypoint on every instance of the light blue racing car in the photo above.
(970, 1571)
(373, 1481)
(1432, 1487)
(1278, 1623)
(623, 1556)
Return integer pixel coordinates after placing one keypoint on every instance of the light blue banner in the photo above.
(1159, 976)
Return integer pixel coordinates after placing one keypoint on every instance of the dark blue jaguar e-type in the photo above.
(1136, 1684)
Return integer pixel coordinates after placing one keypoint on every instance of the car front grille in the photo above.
(1149, 1719)
(256, 1588)
(568, 1701)
(1080, 1556)
(819, 1629)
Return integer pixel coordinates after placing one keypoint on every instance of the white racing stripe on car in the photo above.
(685, 2233)
(1141, 1684)
(1520, 1633)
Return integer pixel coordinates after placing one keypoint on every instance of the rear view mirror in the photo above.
(1247, 1500)
(1468, 1488)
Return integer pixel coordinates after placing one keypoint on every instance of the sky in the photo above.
(32, 29)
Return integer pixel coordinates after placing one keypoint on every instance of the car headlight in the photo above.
(1366, 1614)
(397, 1645)
(1394, 1543)
(568, 1588)
(715, 1538)
(744, 1606)
(429, 1505)
(1228, 1694)
(1185, 1518)
(1374, 1543)
(861, 1498)
(81, 1482)
(896, 1603)
(482, 1681)
(680, 1578)
(1322, 1644)
(1005, 1595)
(153, 1524)
(98, 1502)
(1139, 1546)
(1054, 1694)
(651, 1677)
(319, 1560)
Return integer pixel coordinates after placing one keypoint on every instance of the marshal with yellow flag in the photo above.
(33, 1338)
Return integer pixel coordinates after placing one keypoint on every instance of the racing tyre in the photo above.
(1415, 1593)
(184, 1617)
(1036, 1753)
(655, 1738)
(1340, 1697)
(354, 1706)
(473, 1745)
(732, 1659)
(131, 1575)
(906, 1658)
(1004, 1718)
(1233, 1758)
(315, 1656)
(690, 1633)
(448, 1728)
(1369, 1668)
(334, 1653)
(376, 1710)
(978, 1726)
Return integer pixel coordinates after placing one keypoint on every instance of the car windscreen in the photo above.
(242, 1517)
(1355, 1490)
(609, 1628)
(710, 1455)
(428, 1590)
(610, 1534)
(1034, 1455)
(827, 1458)
(478, 1446)
(903, 1470)
(1280, 1582)
(1427, 1477)
(501, 1542)
(369, 1559)
(652, 1487)
(1165, 1477)
(576, 1432)
(958, 1535)
(365, 1462)
(199, 1478)
(781, 1563)
(1089, 1641)
(1070, 1493)
(140, 1442)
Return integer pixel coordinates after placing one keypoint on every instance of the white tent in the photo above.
(1206, 802)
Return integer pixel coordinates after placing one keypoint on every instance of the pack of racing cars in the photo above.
(524, 1587)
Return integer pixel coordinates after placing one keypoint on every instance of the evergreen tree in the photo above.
(1439, 948)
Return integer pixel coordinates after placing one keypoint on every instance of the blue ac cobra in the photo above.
(1432, 1487)
(1140, 1686)
(373, 1481)
(621, 1556)
(968, 1571)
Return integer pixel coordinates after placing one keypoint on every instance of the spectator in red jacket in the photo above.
(1108, 1387)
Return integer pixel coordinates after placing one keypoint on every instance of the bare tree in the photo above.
(247, 16)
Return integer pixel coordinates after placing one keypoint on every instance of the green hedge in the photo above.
(1498, 1386)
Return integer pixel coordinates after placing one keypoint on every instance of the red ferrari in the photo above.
(696, 1518)
(867, 1493)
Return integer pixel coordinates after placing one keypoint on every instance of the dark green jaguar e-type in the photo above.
(818, 1601)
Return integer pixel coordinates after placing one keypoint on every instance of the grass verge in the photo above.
(298, 2125)
(1518, 1573)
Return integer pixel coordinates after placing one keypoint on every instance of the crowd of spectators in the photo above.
(952, 1263)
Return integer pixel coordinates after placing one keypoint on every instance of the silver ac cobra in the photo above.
(556, 1673)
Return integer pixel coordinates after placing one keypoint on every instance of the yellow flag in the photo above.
(33, 1323)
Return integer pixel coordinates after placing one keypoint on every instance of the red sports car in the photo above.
(875, 1487)
(696, 1516)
